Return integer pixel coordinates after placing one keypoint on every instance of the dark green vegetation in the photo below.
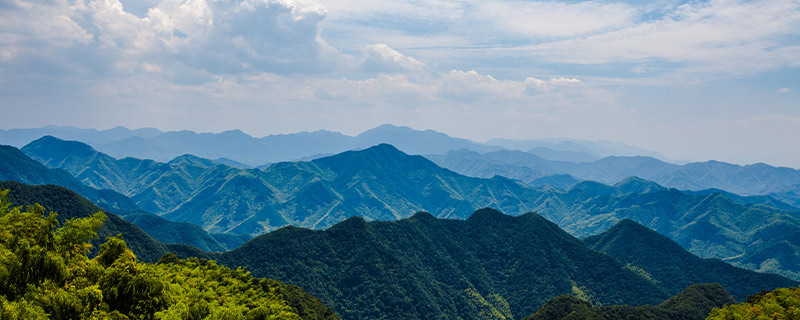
(672, 267)
(70, 205)
(382, 183)
(45, 273)
(694, 303)
(782, 303)
(490, 266)
(168, 231)
(756, 179)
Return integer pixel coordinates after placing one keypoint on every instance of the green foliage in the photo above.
(694, 303)
(70, 205)
(664, 262)
(45, 273)
(382, 183)
(781, 303)
(489, 266)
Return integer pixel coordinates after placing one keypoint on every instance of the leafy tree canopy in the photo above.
(45, 273)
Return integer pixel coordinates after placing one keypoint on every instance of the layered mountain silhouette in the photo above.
(427, 268)
(383, 183)
(16, 166)
(489, 266)
(666, 262)
(239, 149)
(756, 179)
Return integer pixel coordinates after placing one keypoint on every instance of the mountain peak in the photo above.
(191, 159)
(635, 184)
(486, 214)
(49, 147)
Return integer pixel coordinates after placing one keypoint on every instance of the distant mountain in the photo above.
(563, 181)
(383, 183)
(582, 148)
(69, 204)
(16, 166)
(237, 149)
(694, 303)
(489, 266)
(563, 155)
(750, 180)
(417, 142)
(674, 268)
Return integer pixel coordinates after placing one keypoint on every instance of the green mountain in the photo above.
(16, 166)
(672, 267)
(382, 183)
(781, 303)
(69, 205)
(750, 180)
(46, 273)
(694, 303)
(489, 266)
(168, 231)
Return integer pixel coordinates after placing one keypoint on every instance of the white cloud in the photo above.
(731, 37)
(381, 58)
(784, 90)
(549, 19)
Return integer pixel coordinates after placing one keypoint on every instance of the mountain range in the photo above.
(489, 266)
(383, 183)
(236, 148)
(756, 179)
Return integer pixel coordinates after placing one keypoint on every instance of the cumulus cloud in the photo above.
(218, 37)
(381, 58)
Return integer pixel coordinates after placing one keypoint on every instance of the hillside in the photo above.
(383, 183)
(694, 303)
(749, 180)
(488, 266)
(674, 268)
(168, 231)
(70, 205)
(45, 273)
(16, 166)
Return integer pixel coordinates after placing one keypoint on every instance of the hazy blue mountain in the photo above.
(750, 180)
(232, 163)
(598, 149)
(16, 166)
(562, 155)
(563, 181)
(748, 200)
(674, 268)
(21, 137)
(421, 267)
(383, 183)
(241, 148)
(417, 142)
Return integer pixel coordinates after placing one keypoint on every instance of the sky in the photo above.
(694, 80)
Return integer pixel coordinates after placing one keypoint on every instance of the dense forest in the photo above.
(694, 303)
(46, 272)
(782, 303)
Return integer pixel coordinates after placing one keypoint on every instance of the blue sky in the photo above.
(694, 80)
